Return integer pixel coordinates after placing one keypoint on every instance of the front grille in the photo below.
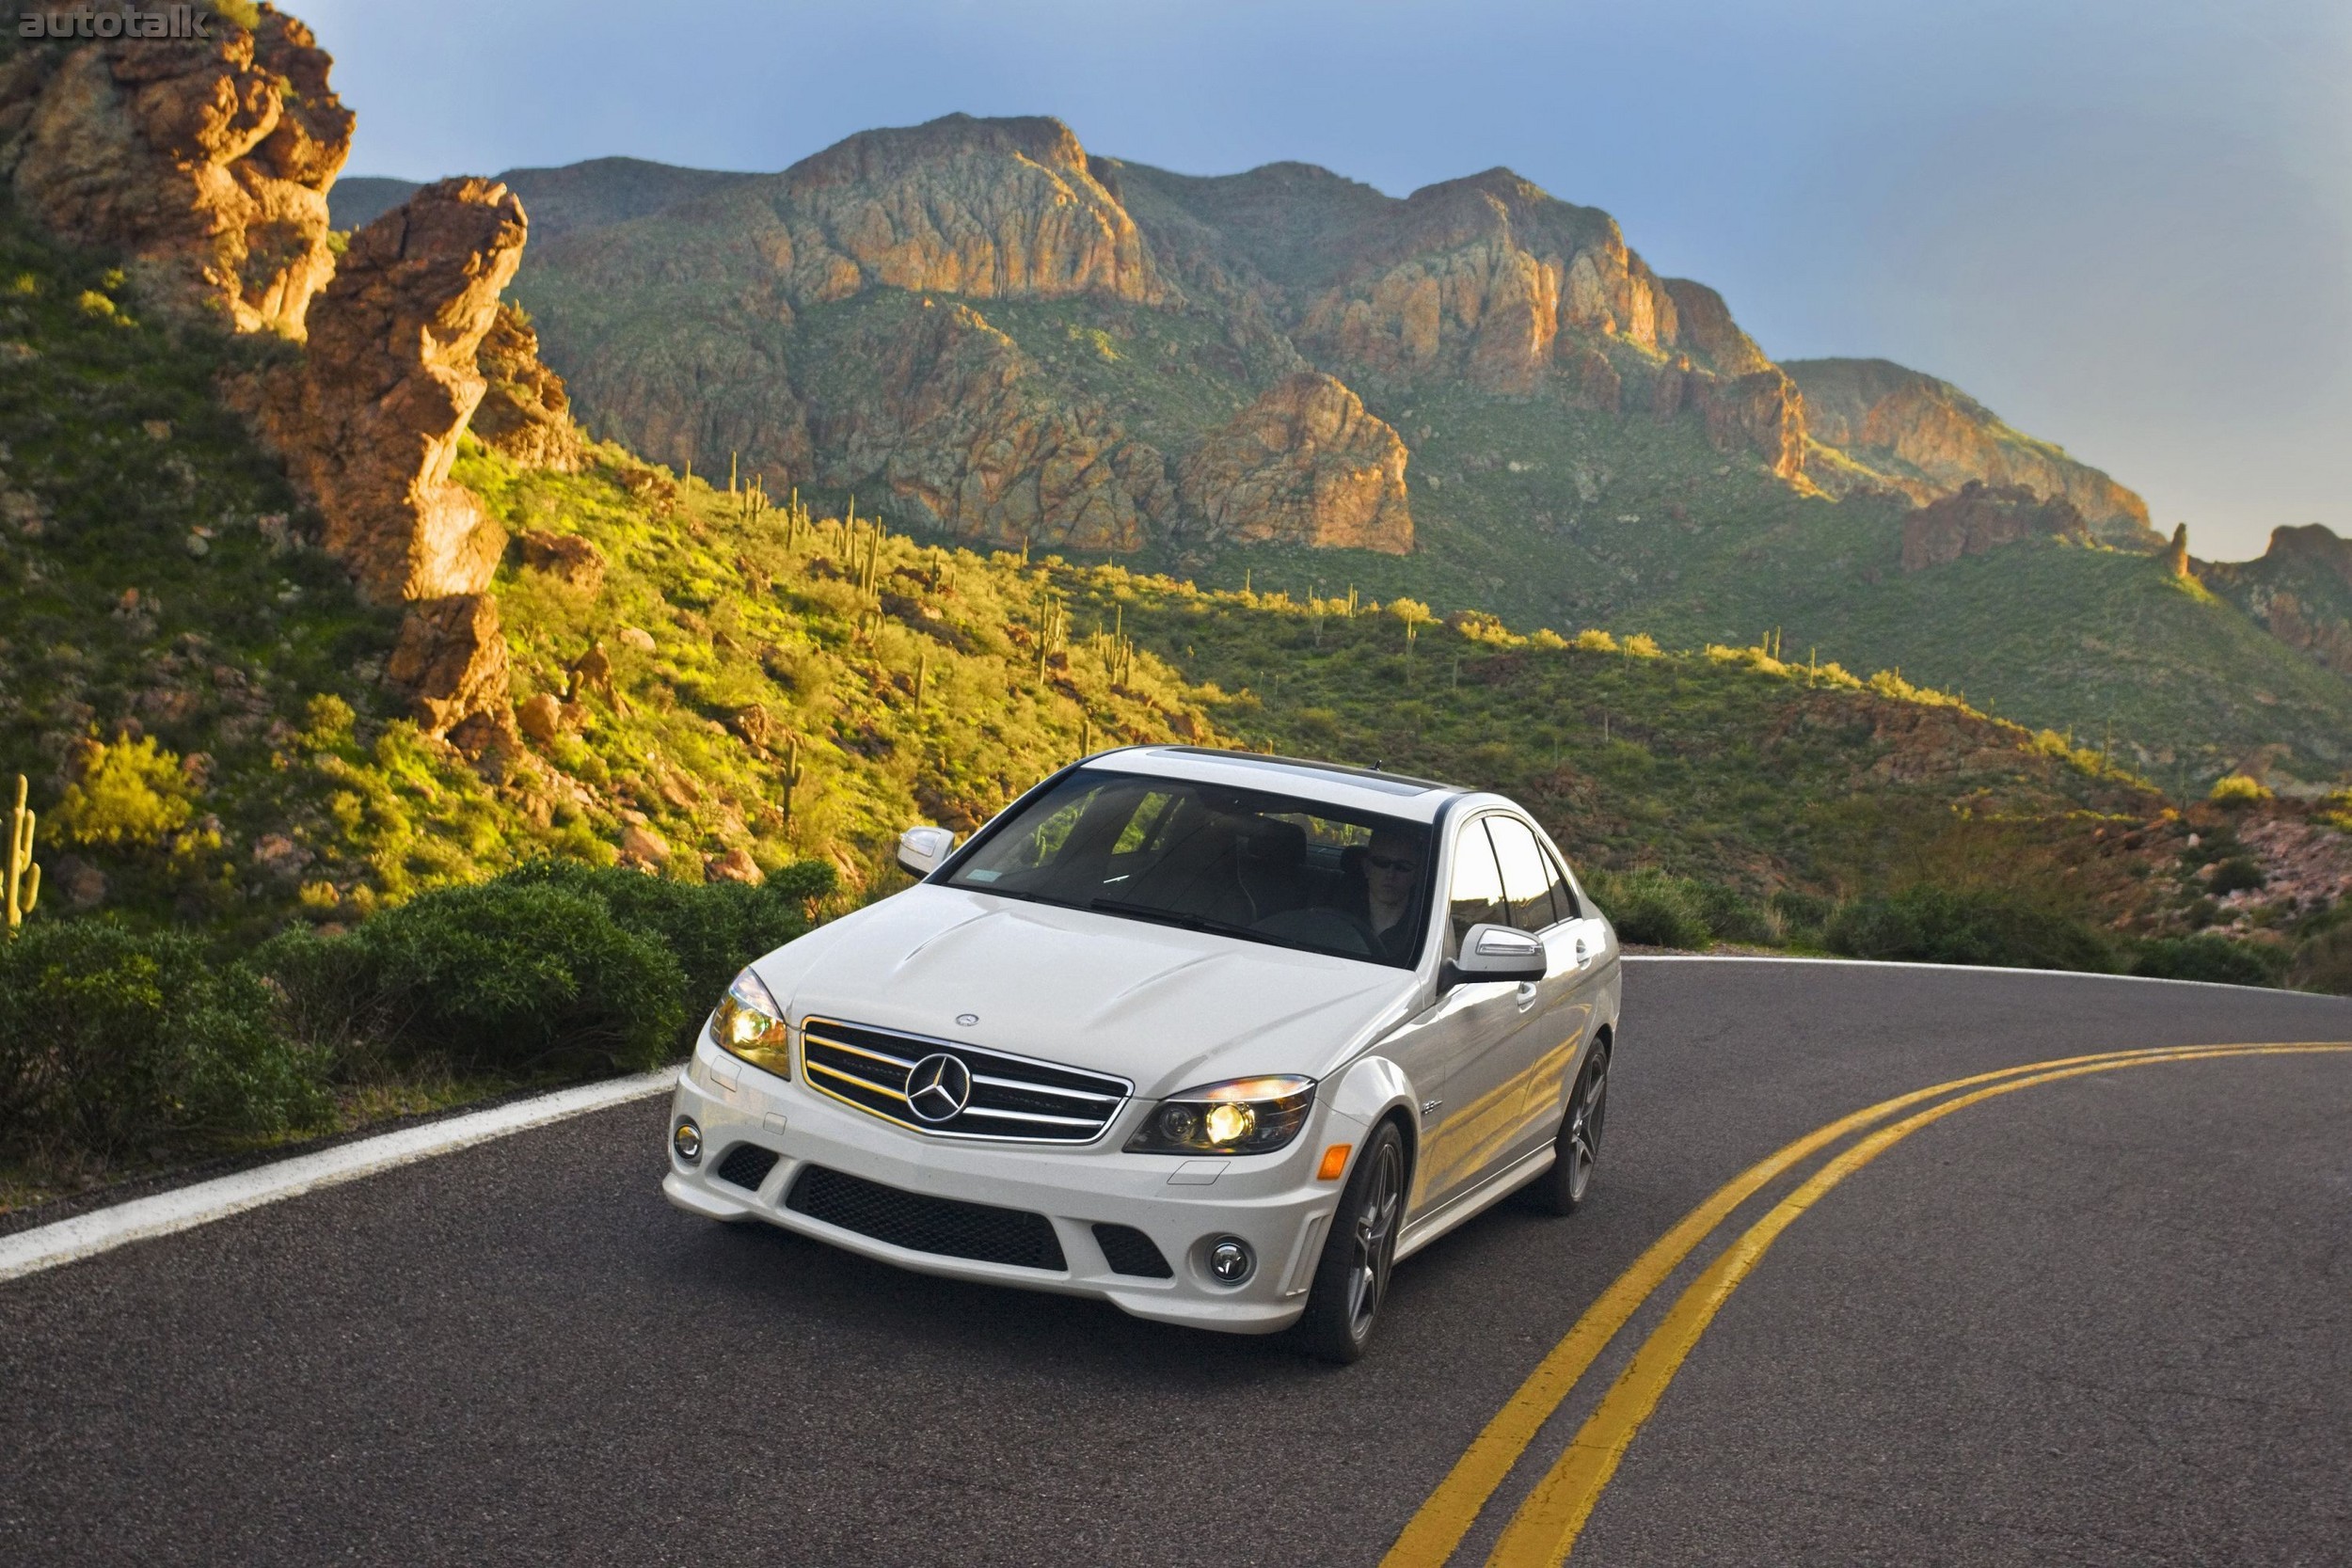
(746, 1165)
(1012, 1097)
(921, 1224)
(1128, 1250)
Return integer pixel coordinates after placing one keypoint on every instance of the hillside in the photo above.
(1477, 395)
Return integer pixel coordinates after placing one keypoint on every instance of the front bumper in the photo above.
(1271, 1201)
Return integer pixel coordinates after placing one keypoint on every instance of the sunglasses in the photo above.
(1384, 862)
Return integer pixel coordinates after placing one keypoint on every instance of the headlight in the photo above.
(1245, 1115)
(748, 1024)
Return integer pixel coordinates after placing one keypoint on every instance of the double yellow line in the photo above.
(1545, 1527)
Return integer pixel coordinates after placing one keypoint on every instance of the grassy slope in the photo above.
(1732, 768)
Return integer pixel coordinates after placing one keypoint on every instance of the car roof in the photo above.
(1334, 784)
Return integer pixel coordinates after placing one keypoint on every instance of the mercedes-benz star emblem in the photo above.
(939, 1087)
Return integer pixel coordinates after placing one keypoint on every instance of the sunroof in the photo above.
(1363, 778)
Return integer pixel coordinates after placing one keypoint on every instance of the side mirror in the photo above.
(921, 849)
(1496, 953)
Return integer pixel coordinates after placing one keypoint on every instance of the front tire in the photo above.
(1352, 1277)
(1569, 1183)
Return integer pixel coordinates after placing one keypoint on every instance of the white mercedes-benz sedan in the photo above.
(1215, 1036)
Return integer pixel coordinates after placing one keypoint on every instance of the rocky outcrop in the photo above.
(1763, 413)
(1927, 438)
(1304, 465)
(370, 425)
(203, 161)
(956, 423)
(525, 412)
(2300, 589)
(1981, 518)
(1492, 281)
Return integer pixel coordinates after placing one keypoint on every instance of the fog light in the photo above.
(687, 1140)
(1231, 1259)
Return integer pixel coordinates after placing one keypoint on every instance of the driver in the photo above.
(1392, 893)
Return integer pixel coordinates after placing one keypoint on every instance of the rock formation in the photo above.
(203, 161)
(1304, 465)
(1927, 438)
(967, 437)
(1980, 518)
(2300, 589)
(2176, 555)
(524, 412)
(369, 428)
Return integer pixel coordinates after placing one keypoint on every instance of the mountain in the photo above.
(359, 199)
(576, 195)
(2300, 589)
(1927, 437)
(1476, 394)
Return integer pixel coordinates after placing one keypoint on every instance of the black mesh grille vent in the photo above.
(922, 1224)
(1130, 1251)
(747, 1166)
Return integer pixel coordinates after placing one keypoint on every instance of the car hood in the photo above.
(1165, 1008)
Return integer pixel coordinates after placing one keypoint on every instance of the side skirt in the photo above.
(1509, 1180)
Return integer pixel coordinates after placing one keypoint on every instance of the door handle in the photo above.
(1527, 995)
(1583, 954)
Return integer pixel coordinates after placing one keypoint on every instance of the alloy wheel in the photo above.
(1584, 1128)
(1374, 1226)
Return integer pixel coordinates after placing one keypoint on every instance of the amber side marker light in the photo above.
(1334, 1162)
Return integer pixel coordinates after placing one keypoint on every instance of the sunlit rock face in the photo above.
(204, 162)
(1303, 465)
(969, 438)
(1927, 438)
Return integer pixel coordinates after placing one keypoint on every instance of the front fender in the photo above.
(1369, 1087)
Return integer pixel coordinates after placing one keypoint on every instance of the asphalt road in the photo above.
(2104, 1321)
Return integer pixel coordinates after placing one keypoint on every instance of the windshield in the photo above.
(1249, 863)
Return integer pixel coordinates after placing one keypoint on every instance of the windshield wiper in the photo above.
(1171, 917)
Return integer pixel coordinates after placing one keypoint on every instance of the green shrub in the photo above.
(1938, 924)
(2324, 962)
(503, 975)
(711, 930)
(126, 794)
(114, 1041)
(2234, 875)
(1654, 909)
(554, 967)
(2208, 957)
(2238, 789)
(1732, 918)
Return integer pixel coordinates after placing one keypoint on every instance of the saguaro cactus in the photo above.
(22, 875)
(791, 780)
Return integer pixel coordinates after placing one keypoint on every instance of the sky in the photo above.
(2123, 225)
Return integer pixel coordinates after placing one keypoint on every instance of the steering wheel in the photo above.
(1334, 931)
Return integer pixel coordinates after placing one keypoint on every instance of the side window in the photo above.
(1476, 895)
(1565, 891)
(1526, 874)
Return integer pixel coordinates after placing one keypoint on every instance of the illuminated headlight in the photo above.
(748, 1024)
(1244, 1116)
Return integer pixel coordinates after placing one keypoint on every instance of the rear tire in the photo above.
(1352, 1277)
(1568, 1185)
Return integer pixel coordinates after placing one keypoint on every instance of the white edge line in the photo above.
(68, 1241)
(1964, 968)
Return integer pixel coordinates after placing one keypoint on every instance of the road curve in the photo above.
(2107, 1319)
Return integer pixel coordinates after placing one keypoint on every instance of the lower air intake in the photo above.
(1128, 1250)
(747, 1166)
(924, 1224)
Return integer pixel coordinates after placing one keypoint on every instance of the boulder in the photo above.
(451, 658)
(1305, 463)
(642, 847)
(736, 866)
(566, 557)
(203, 161)
(542, 717)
